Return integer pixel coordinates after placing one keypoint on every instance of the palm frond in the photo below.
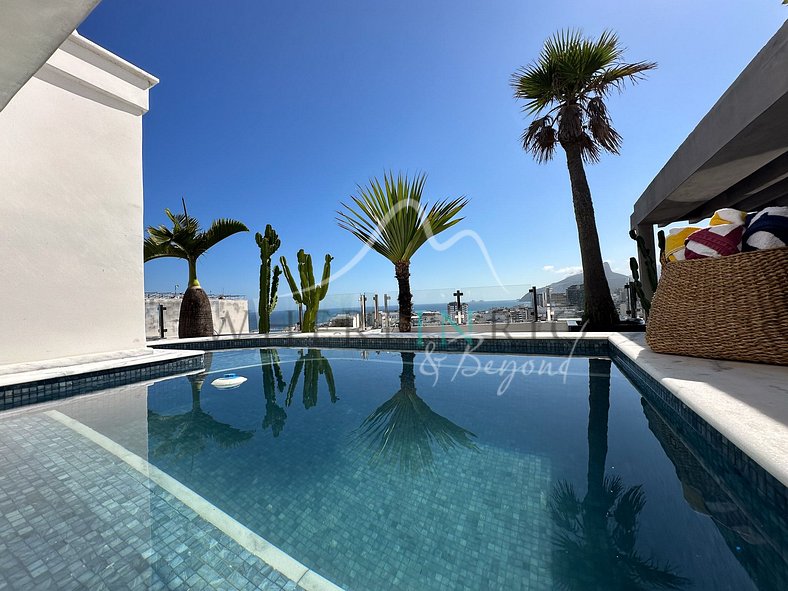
(569, 79)
(539, 138)
(392, 220)
(185, 239)
(156, 250)
(219, 230)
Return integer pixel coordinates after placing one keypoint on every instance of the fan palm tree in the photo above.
(185, 240)
(595, 549)
(403, 430)
(391, 219)
(568, 85)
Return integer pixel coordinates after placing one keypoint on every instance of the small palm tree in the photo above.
(185, 436)
(571, 80)
(187, 241)
(404, 431)
(392, 220)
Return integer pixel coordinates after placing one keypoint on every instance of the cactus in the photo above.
(651, 267)
(644, 300)
(269, 284)
(311, 294)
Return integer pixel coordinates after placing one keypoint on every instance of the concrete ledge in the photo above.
(28, 383)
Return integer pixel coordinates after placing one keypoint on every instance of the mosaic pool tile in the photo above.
(74, 517)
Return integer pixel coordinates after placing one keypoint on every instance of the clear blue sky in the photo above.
(271, 112)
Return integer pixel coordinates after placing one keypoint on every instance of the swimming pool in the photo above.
(379, 470)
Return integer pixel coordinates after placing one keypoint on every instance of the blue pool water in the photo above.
(403, 471)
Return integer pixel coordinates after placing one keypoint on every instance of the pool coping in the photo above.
(35, 382)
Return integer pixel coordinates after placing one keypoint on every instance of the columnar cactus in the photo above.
(269, 284)
(311, 294)
(651, 267)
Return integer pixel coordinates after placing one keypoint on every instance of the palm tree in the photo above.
(403, 430)
(596, 547)
(184, 436)
(392, 220)
(187, 241)
(570, 81)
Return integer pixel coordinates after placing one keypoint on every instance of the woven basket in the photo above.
(733, 307)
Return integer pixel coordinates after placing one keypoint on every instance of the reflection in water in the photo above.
(760, 547)
(403, 430)
(183, 436)
(596, 546)
(312, 365)
(275, 415)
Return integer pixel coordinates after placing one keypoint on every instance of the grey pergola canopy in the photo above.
(737, 156)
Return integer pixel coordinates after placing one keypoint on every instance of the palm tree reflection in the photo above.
(312, 365)
(403, 430)
(185, 435)
(275, 415)
(595, 548)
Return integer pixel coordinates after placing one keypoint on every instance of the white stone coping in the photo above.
(20, 373)
(747, 403)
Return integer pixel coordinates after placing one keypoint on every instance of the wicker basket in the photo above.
(733, 307)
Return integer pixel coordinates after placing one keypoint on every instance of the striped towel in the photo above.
(766, 229)
(714, 241)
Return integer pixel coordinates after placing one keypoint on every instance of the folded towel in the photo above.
(728, 216)
(766, 229)
(674, 242)
(714, 241)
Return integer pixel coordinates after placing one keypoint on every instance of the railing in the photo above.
(478, 306)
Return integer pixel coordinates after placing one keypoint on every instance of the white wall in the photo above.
(230, 316)
(71, 207)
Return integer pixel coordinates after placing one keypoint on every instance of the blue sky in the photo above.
(272, 112)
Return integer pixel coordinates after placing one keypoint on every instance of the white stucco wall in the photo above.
(71, 207)
(230, 316)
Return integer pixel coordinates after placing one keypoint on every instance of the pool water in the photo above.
(416, 471)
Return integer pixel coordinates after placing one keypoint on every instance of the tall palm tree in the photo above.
(187, 241)
(391, 219)
(596, 546)
(570, 81)
(404, 430)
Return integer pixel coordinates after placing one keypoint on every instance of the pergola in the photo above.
(737, 156)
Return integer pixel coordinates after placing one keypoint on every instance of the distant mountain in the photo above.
(614, 280)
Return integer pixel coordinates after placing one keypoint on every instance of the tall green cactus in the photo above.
(269, 284)
(651, 267)
(311, 294)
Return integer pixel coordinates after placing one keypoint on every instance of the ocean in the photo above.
(281, 319)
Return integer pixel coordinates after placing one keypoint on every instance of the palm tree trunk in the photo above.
(599, 309)
(598, 406)
(196, 318)
(405, 297)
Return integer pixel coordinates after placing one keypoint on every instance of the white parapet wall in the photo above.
(71, 207)
(230, 316)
